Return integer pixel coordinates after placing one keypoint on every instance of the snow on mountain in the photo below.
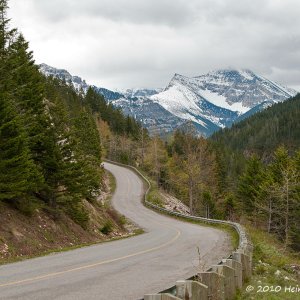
(220, 100)
(62, 74)
(140, 92)
(211, 101)
(220, 96)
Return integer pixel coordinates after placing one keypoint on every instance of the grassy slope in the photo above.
(272, 267)
(23, 237)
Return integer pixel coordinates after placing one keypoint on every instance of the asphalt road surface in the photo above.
(123, 269)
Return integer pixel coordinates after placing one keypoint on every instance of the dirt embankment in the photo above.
(22, 236)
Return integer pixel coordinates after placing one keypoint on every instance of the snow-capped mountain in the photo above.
(219, 97)
(140, 92)
(211, 101)
(76, 81)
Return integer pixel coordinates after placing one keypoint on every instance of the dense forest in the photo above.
(265, 131)
(261, 171)
(259, 135)
(50, 146)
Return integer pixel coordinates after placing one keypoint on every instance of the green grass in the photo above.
(271, 269)
(112, 182)
(154, 197)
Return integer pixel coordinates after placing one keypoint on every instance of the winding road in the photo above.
(123, 269)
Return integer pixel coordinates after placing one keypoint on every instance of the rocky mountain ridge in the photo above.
(211, 101)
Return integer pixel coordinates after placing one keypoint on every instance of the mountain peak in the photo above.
(62, 74)
(177, 79)
(220, 96)
(211, 101)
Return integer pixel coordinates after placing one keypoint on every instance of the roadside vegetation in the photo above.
(276, 271)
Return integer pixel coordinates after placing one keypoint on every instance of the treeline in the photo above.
(264, 131)
(259, 159)
(121, 136)
(50, 146)
(269, 195)
(259, 135)
(185, 166)
(45, 157)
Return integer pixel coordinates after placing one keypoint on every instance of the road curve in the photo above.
(123, 269)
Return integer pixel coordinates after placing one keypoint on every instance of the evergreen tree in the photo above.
(27, 87)
(6, 34)
(89, 143)
(285, 189)
(249, 188)
(18, 174)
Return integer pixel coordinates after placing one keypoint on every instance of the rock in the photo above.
(277, 273)
(18, 235)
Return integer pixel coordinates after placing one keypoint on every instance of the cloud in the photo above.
(132, 43)
(166, 12)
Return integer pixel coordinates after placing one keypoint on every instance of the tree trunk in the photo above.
(191, 197)
(270, 216)
(287, 215)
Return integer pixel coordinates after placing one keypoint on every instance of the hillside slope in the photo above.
(45, 231)
(264, 131)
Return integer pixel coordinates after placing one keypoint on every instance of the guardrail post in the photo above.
(160, 297)
(245, 261)
(215, 284)
(248, 250)
(229, 279)
(191, 290)
(238, 271)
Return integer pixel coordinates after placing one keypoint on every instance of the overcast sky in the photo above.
(142, 43)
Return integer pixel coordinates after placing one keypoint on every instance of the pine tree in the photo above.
(27, 87)
(18, 174)
(285, 189)
(249, 188)
(75, 171)
(89, 143)
(6, 34)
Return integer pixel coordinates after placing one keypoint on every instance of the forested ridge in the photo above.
(264, 131)
(261, 169)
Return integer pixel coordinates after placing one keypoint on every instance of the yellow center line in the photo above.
(42, 277)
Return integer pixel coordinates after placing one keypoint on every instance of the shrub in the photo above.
(78, 214)
(107, 228)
